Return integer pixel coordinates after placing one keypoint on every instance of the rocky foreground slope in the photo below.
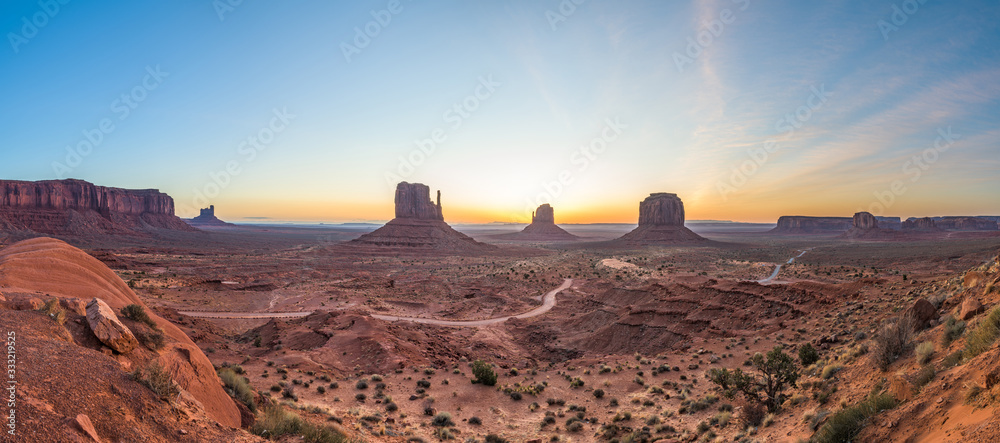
(79, 364)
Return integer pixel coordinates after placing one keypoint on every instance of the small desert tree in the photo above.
(808, 355)
(777, 372)
(484, 373)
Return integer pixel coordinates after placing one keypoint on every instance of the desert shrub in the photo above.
(892, 340)
(52, 309)
(278, 422)
(576, 426)
(598, 393)
(360, 396)
(723, 418)
(516, 396)
(952, 360)
(152, 339)
(981, 338)
(137, 313)
(953, 329)
(442, 419)
(475, 421)
(493, 438)
(846, 424)
(753, 415)
(484, 373)
(289, 393)
(361, 384)
(777, 372)
(157, 380)
(923, 377)
(808, 355)
(238, 388)
(924, 352)
(830, 370)
(972, 393)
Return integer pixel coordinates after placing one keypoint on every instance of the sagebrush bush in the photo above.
(846, 424)
(953, 329)
(442, 419)
(157, 380)
(237, 387)
(924, 352)
(923, 377)
(892, 340)
(278, 422)
(981, 339)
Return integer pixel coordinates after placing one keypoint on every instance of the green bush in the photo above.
(137, 313)
(845, 425)
(278, 422)
(238, 388)
(808, 355)
(982, 338)
(484, 373)
(153, 340)
(442, 419)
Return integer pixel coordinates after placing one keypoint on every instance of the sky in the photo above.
(313, 110)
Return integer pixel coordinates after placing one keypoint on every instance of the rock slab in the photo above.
(108, 329)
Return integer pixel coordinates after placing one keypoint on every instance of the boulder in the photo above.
(971, 307)
(108, 329)
(973, 279)
(922, 311)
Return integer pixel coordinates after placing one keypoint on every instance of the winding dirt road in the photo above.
(548, 302)
(777, 268)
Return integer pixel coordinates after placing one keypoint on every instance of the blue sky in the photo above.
(586, 107)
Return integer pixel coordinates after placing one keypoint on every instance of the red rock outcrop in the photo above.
(920, 224)
(661, 221)
(865, 226)
(108, 329)
(864, 221)
(542, 228)
(419, 223)
(76, 207)
(56, 269)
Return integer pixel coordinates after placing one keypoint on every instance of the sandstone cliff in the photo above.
(920, 224)
(661, 221)
(76, 207)
(966, 224)
(797, 224)
(413, 201)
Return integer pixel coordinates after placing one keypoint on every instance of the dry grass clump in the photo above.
(892, 340)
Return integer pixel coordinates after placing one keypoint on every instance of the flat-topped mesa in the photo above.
(966, 223)
(920, 224)
(544, 214)
(661, 209)
(661, 221)
(864, 221)
(865, 226)
(76, 207)
(413, 201)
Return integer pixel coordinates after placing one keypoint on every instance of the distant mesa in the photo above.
(966, 223)
(925, 224)
(542, 228)
(661, 221)
(419, 223)
(798, 224)
(79, 208)
(208, 219)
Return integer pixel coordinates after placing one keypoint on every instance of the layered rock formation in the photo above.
(797, 224)
(207, 219)
(661, 221)
(920, 224)
(864, 225)
(419, 223)
(966, 224)
(542, 228)
(108, 329)
(76, 207)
